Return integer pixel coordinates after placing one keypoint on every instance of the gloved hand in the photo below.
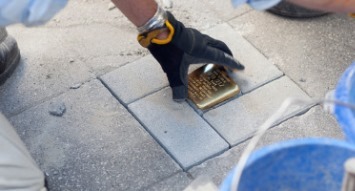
(257, 4)
(28, 12)
(186, 46)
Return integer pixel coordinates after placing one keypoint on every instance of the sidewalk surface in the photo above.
(121, 130)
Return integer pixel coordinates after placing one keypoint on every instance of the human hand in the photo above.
(185, 46)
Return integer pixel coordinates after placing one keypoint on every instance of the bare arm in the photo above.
(137, 11)
(346, 6)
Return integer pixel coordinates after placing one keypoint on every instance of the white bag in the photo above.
(29, 12)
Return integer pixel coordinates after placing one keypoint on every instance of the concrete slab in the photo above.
(75, 14)
(177, 182)
(95, 145)
(312, 52)
(258, 69)
(315, 123)
(87, 12)
(103, 47)
(225, 9)
(181, 131)
(186, 12)
(49, 67)
(239, 119)
(136, 79)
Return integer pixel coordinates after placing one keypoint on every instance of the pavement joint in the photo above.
(292, 115)
(46, 99)
(201, 112)
(30, 106)
(142, 124)
(142, 97)
(163, 179)
(263, 84)
(188, 150)
(257, 48)
(121, 65)
(245, 13)
(208, 158)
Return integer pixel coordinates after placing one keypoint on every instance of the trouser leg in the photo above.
(18, 171)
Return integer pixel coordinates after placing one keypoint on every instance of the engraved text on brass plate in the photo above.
(210, 85)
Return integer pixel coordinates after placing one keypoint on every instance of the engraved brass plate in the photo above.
(210, 85)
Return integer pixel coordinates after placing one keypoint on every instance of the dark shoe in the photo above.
(9, 55)
(286, 9)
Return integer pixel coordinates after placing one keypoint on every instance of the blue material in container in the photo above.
(345, 92)
(303, 164)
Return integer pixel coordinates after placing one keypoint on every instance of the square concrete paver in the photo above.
(136, 79)
(312, 52)
(258, 69)
(240, 118)
(225, 9)
(314, 123)
(176, 126)
(95, 145)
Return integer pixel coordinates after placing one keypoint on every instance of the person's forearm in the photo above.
(137, 11)
(347, 6)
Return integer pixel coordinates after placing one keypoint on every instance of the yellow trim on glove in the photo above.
(170, 36)
(147, 38)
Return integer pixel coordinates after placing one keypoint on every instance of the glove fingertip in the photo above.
(235, 63)
(179, 93)
(240, 66)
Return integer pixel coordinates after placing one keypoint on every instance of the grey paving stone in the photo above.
(258, 69)
(195, 14)
(177, 182)
(312, 52)
(183, 10)
(102, 47)
(102, 65)
(238, 119)
(315, 123)
(86, 12)
(95, 145)
(47, 69)
(181, 131)
(136, 79)
(226, 10)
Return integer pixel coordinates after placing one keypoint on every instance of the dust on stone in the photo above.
(139, 52)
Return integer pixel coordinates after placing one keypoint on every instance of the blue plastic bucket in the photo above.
(345, 92)
(304, 164)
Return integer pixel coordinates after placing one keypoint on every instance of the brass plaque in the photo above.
(210, 85)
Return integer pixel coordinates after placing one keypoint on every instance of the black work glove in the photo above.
(188, 46)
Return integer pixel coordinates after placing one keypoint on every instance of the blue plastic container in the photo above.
(304, 164)
(345, 92)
